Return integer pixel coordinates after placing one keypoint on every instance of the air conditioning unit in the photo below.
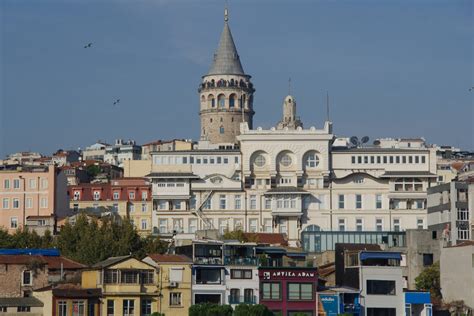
(173, 284)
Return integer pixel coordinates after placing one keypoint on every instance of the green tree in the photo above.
(93, 170)
(208, 309)
(6, 240)
(252, 310)
(234, 235)
(428, 280)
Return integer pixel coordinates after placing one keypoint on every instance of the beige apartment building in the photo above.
(32, 192)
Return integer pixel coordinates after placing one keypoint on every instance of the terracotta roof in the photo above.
(267, 238)
(457, 165)
(464, 244)
(169, 258)
(55, 263)
(51, 262)
(75, 291)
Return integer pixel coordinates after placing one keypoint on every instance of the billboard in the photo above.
(328, 304)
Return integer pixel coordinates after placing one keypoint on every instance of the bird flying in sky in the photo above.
(116, 101)
(88, 45)
(472, 88)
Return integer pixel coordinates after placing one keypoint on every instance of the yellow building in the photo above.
(129, 286)
(174, 281)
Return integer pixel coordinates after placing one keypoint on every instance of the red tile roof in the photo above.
(169, 258)
(267, 238)
(51, 262)
(464, 244)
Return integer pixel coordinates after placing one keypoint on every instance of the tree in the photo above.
(89, 241)
(93, 170)
(428, 280)
(252, 310)
(208, 309)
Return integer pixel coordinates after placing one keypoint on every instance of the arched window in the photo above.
(285, 160)
(232, 100)
(311, 159)
(260, 160)
(213, 83)
(211, 101)
(231, 82)
(221, 100)
(312, 228)
(221, 130)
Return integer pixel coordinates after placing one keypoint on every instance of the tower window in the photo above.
(221, 100)
(210, 120)
(232, 100)
(221, 130)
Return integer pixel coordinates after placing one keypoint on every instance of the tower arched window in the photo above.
(211, 101)
(221, 130)
(232, 100)
(221, 100)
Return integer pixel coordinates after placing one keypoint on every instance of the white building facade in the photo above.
(286, 179)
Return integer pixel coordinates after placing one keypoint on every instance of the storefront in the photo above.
(287, 291)
(336, 301)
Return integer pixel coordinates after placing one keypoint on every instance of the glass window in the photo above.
(253, 202)
(342, 224)
(6, 203)
(14, 222)
(380, 287)
(358, 201)
(6, 184)
(300, 291)
(268, 203)
(192, 225)
(163, 226)
(253, 225)
(32, 183)
(359, 224)
(175, 299)
(116, 195)
(237, 202)
(341, 201)
(62, 308)
(267, 222)
(131, 195)
(144, 224)
(16, 183)
(271, 291)
(259, 161)
(16, 203)
(128, 307)
(146, 307)
(353, 159)
(396, 224)
(285, 160)
(222, 202)
(420, 223)
(378, 224)
(27, 279)
(378, 201)
(44, 183)
(78, 308)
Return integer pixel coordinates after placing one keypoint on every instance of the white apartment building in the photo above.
(122, 150)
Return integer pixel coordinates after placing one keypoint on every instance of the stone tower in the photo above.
(289, 119)
(226, 93)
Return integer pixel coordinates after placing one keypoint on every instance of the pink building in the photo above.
(32, 192)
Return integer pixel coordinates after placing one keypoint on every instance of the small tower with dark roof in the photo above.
(226, 93)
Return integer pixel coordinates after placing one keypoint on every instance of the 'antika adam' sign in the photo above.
(267, 275)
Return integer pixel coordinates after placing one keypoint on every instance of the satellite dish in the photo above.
(376, 142)
(365, 139)
(354, 140)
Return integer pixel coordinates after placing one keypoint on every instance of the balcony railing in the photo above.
(242, 299)
(246, 261)
(208, 260)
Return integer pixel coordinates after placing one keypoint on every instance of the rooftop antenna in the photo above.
(327, 105)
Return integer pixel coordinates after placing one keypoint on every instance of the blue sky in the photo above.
(392, 68)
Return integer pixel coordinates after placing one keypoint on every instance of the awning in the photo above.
(417, 298)
(270, 250)
(297, 254)
(380, 255)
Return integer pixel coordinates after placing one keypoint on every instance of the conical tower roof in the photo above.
(226, 59)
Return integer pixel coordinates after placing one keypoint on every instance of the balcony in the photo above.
(208, 260)
(242, 300)
(241, 261)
